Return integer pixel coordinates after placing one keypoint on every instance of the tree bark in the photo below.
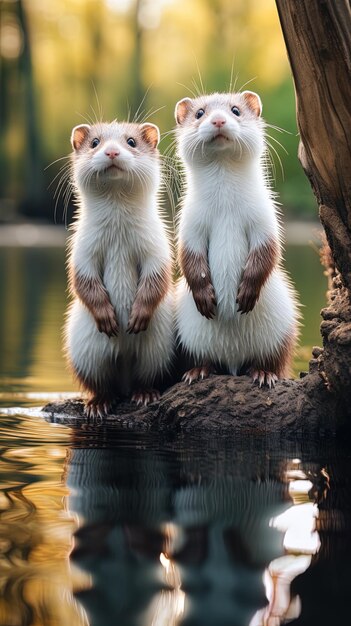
(317, 34)
(297, 409)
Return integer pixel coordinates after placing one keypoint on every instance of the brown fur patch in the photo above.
(196, 270)
(260, 263)
(94, 296)
(151, 290)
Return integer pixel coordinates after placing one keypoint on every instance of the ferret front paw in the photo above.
(197, 373)
(205, 300)
(264, 378)
(246, 298)
(139, 319)
(107, 323)
(145, 397)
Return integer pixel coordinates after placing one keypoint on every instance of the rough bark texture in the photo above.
(318, 36)
(295, 408)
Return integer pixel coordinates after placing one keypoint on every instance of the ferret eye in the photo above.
(199, 113)
(131, 142)
(95, 142)
(236, 111)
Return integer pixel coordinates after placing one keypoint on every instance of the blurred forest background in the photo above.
(62, 59)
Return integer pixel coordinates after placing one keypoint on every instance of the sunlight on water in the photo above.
(36, 528)
(168, 605)
(301, 541)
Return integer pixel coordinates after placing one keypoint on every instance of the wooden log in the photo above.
(317, 35)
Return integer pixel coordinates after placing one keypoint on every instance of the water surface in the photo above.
(101, 527)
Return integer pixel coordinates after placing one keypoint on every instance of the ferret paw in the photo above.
(94, 408)
(145, 397)
(197, 373)
(139, 320)
(246, 298)
(264, 378)
(107, 323)
(205, 300)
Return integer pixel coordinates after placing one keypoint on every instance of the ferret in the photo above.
(235, 306)
(119, 328)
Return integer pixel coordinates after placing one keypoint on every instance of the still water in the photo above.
(100, 527)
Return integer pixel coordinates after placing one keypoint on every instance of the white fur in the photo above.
(228, 210)
(118, 234)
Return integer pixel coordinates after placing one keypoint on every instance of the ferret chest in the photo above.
(228, 249)
(120, 266)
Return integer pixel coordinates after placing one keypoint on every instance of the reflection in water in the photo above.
(37, 579)
(170, 540)
(169, 604)
(99, 527)
(301, 541)
(36, 576)
(34, 297)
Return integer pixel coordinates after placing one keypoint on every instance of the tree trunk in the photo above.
(33, 203)
(318, 36)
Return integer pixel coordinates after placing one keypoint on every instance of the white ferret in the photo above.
(235, 307)
(119, 329)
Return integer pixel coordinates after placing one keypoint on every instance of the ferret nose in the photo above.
(112, 153)
(218, 121)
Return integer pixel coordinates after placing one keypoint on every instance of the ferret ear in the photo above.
(181, 109)
(253, 101)
(78, 135)
(150, 133)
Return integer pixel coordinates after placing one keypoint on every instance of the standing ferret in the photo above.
(235, 307)
(119, 328)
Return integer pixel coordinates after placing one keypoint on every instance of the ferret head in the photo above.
(114, 156)
(220, 126)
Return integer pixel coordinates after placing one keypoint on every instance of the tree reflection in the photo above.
(167, 542)
(168, 530)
